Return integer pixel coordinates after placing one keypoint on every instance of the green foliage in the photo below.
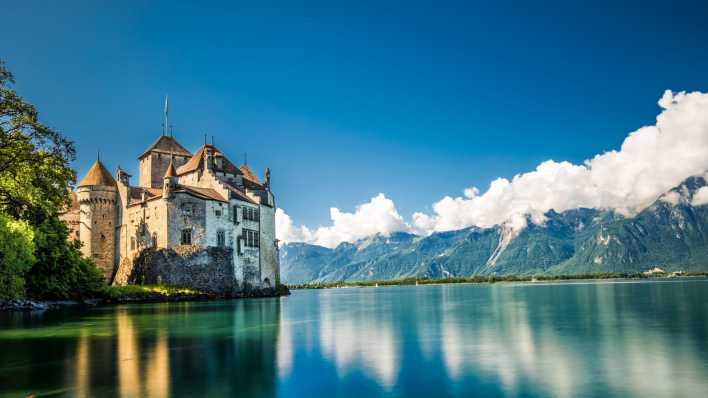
(16, 256)
(147, 292)
(35, 181)
(34, 159)
(60, 272)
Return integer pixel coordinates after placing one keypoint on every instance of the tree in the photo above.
(35, 181)
(34, 160)
(16, 256)
(60, 272)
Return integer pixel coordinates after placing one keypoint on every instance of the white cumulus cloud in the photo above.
(650, 161)
(286, 231)
(378, 216)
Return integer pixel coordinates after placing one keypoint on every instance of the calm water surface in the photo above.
(571, 339)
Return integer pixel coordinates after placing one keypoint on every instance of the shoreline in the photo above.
(140, 295)
(494, 279)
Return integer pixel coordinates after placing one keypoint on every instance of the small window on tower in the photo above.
(217, 213)
(220, 238)
(186, 236)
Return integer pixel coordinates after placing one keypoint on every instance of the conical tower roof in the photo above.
(170, 170)
(98, 175)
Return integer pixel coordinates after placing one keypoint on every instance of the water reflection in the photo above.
(631, 339)
(160, 350)
(599, 339)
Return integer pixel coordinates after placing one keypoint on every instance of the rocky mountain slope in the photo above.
(671, 233)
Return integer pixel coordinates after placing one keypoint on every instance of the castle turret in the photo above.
(169, 181)
(97, 196)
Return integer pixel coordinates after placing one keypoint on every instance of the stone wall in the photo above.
(186, 212)
(269, 259)
(97, 221)
(206, 269)
(154, 166)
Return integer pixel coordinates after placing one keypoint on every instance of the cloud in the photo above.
(650, 161)
(286, 231)
(378, 216)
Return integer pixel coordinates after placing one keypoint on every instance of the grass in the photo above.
(149, 292)
(481, 279)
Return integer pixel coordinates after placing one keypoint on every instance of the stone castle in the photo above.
(204, 222)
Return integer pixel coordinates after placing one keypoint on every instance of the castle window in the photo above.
(250, 238)
(186, 236)
(250, 214)
(220, 238)
(154, 239)
(217, 213)
(237, 214)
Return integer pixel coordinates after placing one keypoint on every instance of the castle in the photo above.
(198, 201)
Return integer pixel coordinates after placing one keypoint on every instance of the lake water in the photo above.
(557, 339)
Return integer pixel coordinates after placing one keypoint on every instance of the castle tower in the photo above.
(154, 161)
(97, 196)
(169, 181)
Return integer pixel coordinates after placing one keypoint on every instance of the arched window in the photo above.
(154, 239)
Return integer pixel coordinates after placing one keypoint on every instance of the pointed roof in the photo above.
(170, 170)
(248, 173)
(194, 163)
(197, 160)
(98, 175)
(166, 144)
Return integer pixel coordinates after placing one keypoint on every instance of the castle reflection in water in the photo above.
(631, 339)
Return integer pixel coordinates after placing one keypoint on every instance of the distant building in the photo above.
(200, 200)
(654, 271)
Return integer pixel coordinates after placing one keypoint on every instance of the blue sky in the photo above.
(415, 100)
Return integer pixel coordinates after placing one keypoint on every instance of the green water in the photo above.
(600, 339)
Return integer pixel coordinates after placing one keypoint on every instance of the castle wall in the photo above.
(97, 222)
(144, 225)
(153, 168)
(207, 269)
(269, 249)
(185, 212)
(72, 219)
(218, 219)
(249, 259)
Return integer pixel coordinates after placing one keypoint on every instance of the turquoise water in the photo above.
(600, 339)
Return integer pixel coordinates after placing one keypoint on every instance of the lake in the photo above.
(616, 338)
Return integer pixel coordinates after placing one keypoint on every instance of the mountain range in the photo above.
(671, 234)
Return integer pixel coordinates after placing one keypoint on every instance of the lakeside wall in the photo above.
(208, 269)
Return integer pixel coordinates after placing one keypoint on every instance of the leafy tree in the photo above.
(16, 256)
(61, 272)
(34, 159)
(35, 180)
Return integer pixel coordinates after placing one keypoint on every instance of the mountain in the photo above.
(671, 234)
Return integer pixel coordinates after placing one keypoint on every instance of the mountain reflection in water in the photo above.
(560, 339)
